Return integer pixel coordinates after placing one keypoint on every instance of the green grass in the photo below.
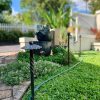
(81, 83)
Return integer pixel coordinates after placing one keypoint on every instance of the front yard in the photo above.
(81, 83)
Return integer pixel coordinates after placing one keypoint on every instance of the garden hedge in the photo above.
(13, 36)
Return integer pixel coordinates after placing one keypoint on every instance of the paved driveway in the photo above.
(7, 50)
(10, 48)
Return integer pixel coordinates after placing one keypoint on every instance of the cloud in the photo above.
(14, 12)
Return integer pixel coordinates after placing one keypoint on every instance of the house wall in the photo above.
(98, 19)
(85, 43)
(84, 22)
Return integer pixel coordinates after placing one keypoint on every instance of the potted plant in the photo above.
(97, 33)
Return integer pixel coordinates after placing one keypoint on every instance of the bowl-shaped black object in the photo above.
(46, 48)
(44, 36)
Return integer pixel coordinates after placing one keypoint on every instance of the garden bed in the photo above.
(18, 72)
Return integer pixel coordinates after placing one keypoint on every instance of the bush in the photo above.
(45, 67)
(13, 36)
(58, 49)
(60, 56)
(15, 73)
(23, 56)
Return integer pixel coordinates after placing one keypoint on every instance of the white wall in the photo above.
(86, 43)
(98, 19)
(85, 22)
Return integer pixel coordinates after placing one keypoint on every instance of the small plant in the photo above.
(44, 67)
(96, 32)
(14, 73)
(58, 49)
(63, 55)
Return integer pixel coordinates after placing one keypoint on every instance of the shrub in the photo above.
(15, 73)
(60, 56)
(23, 56)
(13, 36)
(58, 49)
(45, 67)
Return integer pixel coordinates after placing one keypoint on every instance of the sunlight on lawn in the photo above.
(91, 57)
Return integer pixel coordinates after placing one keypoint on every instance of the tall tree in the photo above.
(5, 5)
(32, 7)
(94, 5)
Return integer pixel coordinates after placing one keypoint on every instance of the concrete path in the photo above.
(9, 48)
(8, 53)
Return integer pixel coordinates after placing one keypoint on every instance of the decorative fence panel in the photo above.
(22, 28)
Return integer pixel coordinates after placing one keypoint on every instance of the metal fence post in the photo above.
(80, 45)
(12, 95)
(68, 49)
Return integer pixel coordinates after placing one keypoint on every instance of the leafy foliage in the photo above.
(9, 18)
(14, 73)
(45, 67)
(94, 5)
(83, 82)
(32, 8)
(96, 32)
(60, 56)
(5, 5)
(56, 19)
(13, 36)
(17, 72)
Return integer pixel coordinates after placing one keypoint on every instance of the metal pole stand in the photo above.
(80, 46)
(31, 47)
(32, 72)
(68, 49)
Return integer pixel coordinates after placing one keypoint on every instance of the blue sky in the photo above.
(80, 6)
(16, 6)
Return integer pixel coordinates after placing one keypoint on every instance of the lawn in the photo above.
(80, 83)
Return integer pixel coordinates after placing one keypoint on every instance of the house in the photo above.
(83, 36)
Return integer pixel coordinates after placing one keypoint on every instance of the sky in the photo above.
(80, 6)
(16, 6)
